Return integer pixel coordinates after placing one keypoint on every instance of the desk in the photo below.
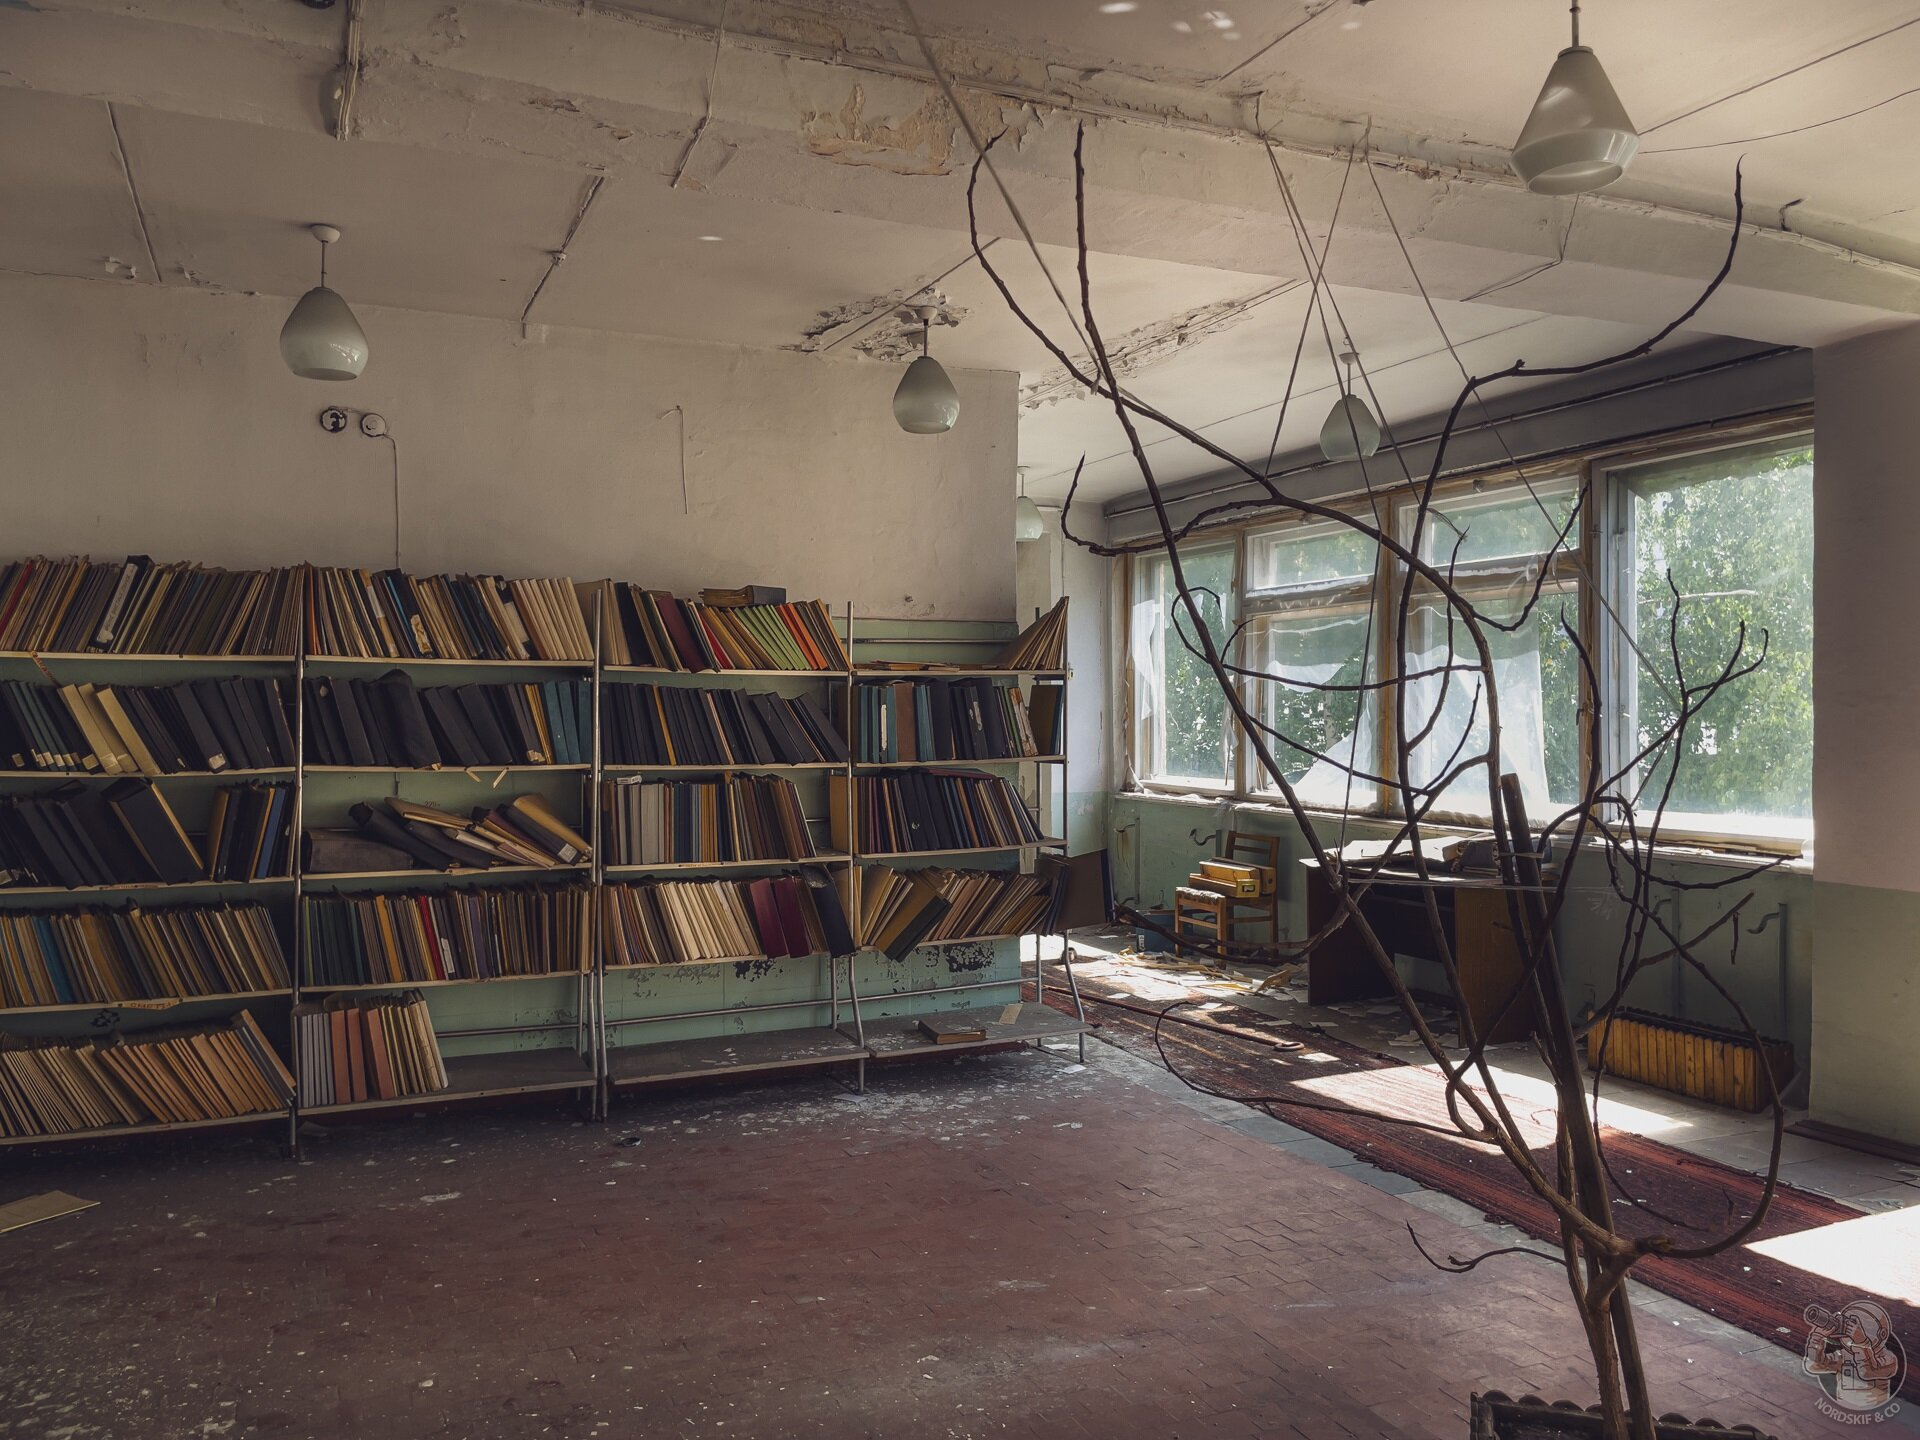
(1478, 929)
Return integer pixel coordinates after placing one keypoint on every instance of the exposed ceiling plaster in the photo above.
(821, 182)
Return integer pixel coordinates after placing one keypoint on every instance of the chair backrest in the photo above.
(1249, 849)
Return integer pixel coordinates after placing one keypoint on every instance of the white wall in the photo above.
(161, 420)
(1866, 766)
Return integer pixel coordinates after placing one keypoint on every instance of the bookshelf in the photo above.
(591, 1028)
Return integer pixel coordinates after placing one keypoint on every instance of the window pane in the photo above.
(1307, 555)
(1735, 531)
(1537, 677)
(1180, 714)
(1507, 525)
(1316, 649)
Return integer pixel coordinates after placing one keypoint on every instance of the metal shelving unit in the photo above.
(593, 1064)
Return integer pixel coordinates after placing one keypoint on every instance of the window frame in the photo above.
(1234, 784)
(1604, 549)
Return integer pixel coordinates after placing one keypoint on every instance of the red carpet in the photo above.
(1696, 1198)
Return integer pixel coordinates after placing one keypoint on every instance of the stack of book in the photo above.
(135, 607)
(450, 934)
(684, 922)
(390, 614)
(929, 810)
(406, 835)
(190, 727)
(392, 724)
(652, 630)
(959, 719)
(128, 834)
(903, 908)
(80, 957)
(1041, 646)
(671, 822)
(669, 725)
(379, 1047)
(175, 1076)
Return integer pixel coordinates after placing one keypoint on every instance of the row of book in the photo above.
(1041, 646)
(653, 630)
(373, 1048)
(454, 934)
(959, 719)
(398, 834)
(135, 607)
(391, 723)
(669, 822)
(900, 909)
(128, 834)
(668, 725)
(391, 614)
(928, 810)
(106, 956)
(174, 1076)
(688, 922)
(192, 727)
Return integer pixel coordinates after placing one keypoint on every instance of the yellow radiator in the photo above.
(1704, 1061)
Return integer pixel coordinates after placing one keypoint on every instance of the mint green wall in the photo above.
(1157, 840)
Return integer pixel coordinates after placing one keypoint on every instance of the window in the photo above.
(1497, 548)
(1734, 530)
(1181, 732)
(1310, 629)
(1732, 524)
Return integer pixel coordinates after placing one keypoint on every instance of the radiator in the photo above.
(1704, 1061)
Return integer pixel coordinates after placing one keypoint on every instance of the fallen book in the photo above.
(943, 1031)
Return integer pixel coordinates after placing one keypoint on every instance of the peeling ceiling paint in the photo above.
(1149, 345)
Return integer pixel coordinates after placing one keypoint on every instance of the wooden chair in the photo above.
(1206, 914)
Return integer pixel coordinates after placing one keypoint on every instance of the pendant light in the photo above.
(926, 402)
(1578, 137)
(1028, 522)
(321, 340)
(1350, 431)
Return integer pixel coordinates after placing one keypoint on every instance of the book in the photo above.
(928, 809)
(1041, 646)
(390, 722)
(135, 606)
(109, 956)
(365, 615)
(979, 904)
(457, 933)
(745, 595)
(690, 922)
(386, 1050)
(737, 817)
(944, 1030)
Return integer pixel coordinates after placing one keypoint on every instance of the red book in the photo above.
(435, 961)
(766, 917)
(786, 894)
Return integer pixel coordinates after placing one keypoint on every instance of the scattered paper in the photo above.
(1010, 1014)
(31, 1211)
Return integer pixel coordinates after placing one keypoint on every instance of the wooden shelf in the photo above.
(404, 662)
(109, 1132)
(729, 1054)
(157, 1005)
(717, 865)
(514, 871)
(283, 771)
(473, 1077)
(865, 672)
(470, 772)
(901, 1034)
(719, 769)
(725, 674)
(331, 988)
(145, 659)
(947, 764)
(145, 886)
(965, 850)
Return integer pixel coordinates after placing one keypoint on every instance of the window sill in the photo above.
(1719, 853)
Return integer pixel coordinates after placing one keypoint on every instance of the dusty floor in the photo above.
(1003, 1245)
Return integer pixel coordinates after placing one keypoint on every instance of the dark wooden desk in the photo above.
(1478, 930)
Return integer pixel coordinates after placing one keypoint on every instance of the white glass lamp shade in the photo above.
(926, 402)
(1348, 422)
(321, 340)
(1578, 137)
(1028, 522)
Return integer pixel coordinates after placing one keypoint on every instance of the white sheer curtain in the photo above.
(1462, 710)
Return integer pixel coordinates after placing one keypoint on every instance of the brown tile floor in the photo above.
(998, 1246)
